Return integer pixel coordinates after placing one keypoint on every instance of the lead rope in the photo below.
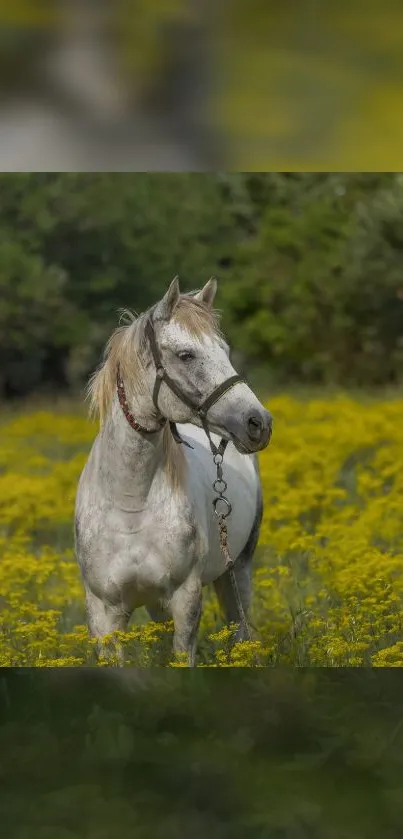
(220, 486)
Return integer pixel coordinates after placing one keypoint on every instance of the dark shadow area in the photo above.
(281, 754)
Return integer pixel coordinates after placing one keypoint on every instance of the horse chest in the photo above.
(173, 531)
(160, 557)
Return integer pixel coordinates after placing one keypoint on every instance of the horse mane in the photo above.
(127, 347)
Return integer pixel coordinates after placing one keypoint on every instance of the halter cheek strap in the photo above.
(136, 425)
(162, 376)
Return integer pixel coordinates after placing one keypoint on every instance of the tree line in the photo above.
(309, 268)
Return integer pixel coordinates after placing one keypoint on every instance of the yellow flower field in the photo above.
(328, 582)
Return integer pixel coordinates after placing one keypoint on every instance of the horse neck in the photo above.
(130, 459)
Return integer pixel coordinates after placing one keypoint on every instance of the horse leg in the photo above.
(186, 608)
(104, 618)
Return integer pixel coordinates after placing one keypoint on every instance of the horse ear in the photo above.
(165, 307)
(208, 293)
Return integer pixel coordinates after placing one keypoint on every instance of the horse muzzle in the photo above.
(253, 433)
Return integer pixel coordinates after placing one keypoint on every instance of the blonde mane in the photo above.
(127, 347)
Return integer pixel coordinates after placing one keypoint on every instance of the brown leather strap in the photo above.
(177, 437)
(128, 414)
(162, 376)
(218, 393)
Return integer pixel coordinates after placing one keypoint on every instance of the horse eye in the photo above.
(184, 355)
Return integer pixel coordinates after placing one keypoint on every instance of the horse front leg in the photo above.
(103, 619)
(186, 609)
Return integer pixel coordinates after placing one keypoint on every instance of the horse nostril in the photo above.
(259, 426)
(255, 427)
(256, 422)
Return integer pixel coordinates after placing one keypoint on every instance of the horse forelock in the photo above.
(197, 318)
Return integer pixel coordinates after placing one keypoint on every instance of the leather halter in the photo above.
(162, 376)
(128, 414)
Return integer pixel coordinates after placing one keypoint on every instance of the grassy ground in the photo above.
(327, 584)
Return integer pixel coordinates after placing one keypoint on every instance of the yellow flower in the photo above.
(328, 582)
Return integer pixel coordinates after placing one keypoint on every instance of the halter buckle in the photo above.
(160, 372)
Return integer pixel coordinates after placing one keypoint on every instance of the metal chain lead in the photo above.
(220, 487)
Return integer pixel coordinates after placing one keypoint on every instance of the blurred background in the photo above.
(183, 85)
(309, 268)
(298, 755)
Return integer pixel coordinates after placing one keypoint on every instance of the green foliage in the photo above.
(318, 289)
(114, 241)
(309, 268)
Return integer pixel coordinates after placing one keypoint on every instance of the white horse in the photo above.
(145, 529)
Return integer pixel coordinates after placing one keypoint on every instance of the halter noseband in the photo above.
(162, 376)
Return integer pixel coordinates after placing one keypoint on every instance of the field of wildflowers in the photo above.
(328, 587)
